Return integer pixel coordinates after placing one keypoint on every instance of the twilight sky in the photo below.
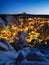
(28, 6)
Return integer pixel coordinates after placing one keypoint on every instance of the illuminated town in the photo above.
(35, 27)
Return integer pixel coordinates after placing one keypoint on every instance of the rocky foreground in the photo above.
(24, 56)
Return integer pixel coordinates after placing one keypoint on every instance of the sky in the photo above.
(27, 6)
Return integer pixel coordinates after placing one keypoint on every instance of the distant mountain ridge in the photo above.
(28, 15)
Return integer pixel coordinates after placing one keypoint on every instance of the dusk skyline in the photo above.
(28, 6)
